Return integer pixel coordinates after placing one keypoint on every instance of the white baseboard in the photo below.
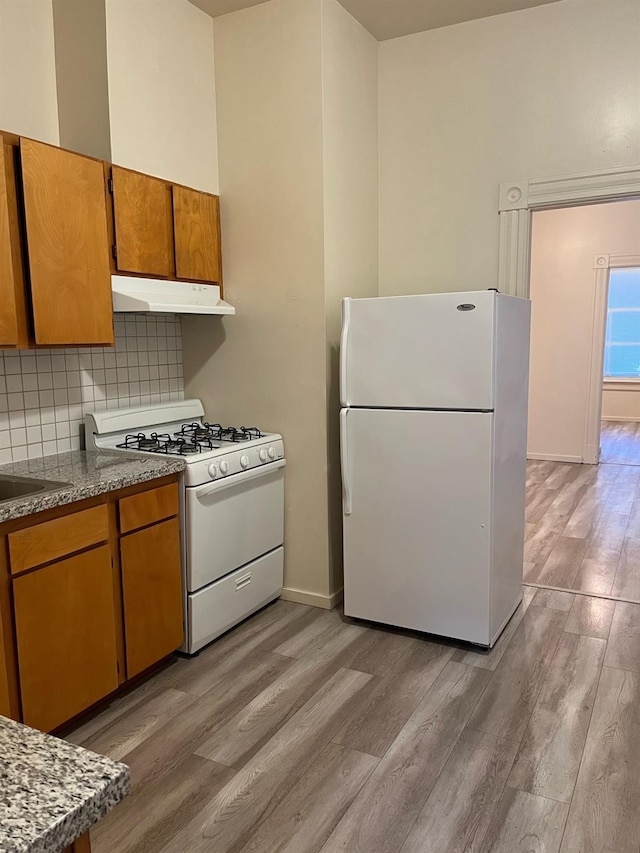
(327, 602)
(552, 457)
(627, 420)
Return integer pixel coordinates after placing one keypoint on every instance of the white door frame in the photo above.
(517, 200)
(602, 265)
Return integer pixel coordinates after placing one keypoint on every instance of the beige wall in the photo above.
(350, 150)
(28, 103)
(564, 243)
(81, 72)
(267, 364)
(621, 401)
(162, 90)
(545, 91)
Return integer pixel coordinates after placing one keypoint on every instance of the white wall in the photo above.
(162, 90)
(546, 91)
(350, 183)
(621, 401)
(267, 365)
(44, 393)
(80, 35)
(563, 246)
(28, 103)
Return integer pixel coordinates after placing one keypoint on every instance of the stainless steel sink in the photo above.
(19, 487)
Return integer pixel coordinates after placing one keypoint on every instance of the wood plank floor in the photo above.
(303, 731)
(620, 443)
(583, 521)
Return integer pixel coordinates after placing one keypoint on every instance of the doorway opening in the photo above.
(620, 437)
(583, 520)
(573, 326)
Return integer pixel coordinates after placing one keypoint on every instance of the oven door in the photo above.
(233, 521)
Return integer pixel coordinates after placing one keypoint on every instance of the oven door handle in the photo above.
(237, 479)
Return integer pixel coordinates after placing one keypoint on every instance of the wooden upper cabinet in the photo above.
(143, 223)
(66, 223)
(13, 317)
(196, 229)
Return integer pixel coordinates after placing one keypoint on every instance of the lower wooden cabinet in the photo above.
(81, 845)
(87, 602)
(152, 594)
(66, 637)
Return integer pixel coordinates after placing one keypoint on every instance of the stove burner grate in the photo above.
(164, 443)
(190, 438)
(216, 432)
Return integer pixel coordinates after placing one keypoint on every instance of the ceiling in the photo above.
(387, 19)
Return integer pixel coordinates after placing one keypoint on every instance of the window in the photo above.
(622, 337)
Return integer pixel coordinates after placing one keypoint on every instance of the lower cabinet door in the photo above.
(152, 594)
(66, 637)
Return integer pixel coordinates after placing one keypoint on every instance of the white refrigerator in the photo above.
(433, 432)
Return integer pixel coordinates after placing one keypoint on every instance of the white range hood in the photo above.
(167, 297)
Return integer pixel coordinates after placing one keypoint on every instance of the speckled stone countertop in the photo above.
(88, 473)
(52, 792)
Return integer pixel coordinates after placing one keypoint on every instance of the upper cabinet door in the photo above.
(196, 224)
(143, 223)
(13, 317)
(8, 314)
(66, 223)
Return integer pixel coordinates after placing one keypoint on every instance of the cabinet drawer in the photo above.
(60, 537)
(148, 507)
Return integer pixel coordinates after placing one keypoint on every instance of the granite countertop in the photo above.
(89, 474)
(52, 792)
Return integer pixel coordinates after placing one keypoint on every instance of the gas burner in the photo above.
(250, 432)
(140, 441)
(197, 432)
(180, 446)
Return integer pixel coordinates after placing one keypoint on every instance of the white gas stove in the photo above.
(232, 506)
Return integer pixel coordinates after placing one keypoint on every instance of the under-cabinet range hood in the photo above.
(167, 297)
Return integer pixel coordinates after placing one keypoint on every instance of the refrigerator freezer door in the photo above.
(432, 351)
(417, 540)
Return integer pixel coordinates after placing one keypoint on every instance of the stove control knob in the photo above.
(272, 453)
(224, 467)
(244, 461)
(213, 471)
(263, 454)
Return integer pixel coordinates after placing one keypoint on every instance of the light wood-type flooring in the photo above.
(620, 443)
(302, 731)
(583, 521)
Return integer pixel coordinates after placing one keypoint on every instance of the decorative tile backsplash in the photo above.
(45, 393)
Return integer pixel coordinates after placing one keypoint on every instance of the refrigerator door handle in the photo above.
(344, 463)
(346, 315)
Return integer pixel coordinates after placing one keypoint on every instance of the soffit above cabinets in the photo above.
(387, 19)
(221, 7)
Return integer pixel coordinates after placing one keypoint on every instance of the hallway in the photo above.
(620, 443)
(583, 521)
